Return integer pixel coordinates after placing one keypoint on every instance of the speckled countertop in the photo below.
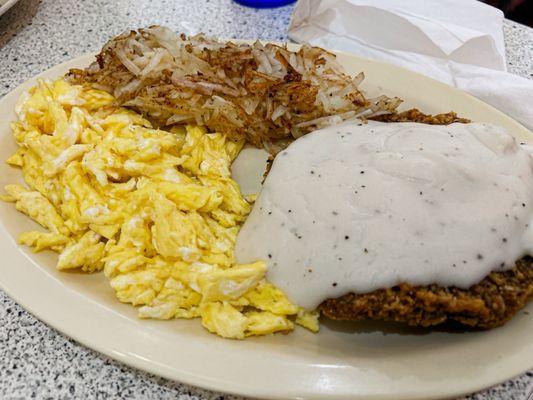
(37, 361)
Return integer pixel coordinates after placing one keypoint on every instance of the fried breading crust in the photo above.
(488, 304)
(415, 115)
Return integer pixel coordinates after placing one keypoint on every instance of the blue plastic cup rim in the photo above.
(264, 3)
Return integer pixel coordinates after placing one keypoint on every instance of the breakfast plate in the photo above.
(342, 361)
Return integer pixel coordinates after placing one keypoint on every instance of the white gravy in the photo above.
(355, 208)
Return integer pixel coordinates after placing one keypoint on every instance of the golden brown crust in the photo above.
(488, 304)
(415, 115)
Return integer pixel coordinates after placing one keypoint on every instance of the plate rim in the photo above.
(6, 6)
(182, 375)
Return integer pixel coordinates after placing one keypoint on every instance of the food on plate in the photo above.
(420, 223)
(263, 93)
(415, 115)
(156, 210)
(487, 304)
(381, 214)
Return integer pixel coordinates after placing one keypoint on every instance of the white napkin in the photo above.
(458, 42)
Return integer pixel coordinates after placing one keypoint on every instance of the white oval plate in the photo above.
(343, 361)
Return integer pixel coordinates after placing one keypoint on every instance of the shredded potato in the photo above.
(265, 94)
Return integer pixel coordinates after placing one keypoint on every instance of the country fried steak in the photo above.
(488, 304)
(415, 115)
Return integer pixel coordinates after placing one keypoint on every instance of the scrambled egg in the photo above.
(157, 211)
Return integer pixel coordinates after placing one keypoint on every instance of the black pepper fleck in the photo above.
(270, 256)
(365, 250)
(335, 213)
(334, 284)
(362, 172)
(346, 237)
(479, 257)
(504, 240)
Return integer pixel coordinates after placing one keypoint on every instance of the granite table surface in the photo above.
(38, 362)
